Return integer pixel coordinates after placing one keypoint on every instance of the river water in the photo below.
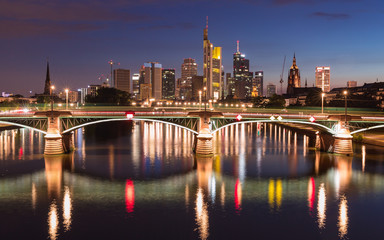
(142, 181)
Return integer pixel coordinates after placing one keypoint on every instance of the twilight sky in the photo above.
(80, 36)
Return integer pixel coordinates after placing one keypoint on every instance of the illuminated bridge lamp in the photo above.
(239, 117)
(312, 119)
(272, 118)
(129, 115)
(279, 118)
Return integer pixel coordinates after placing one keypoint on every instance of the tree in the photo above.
(313, 97)
(257, 101)
(276, 101)
(110, 95)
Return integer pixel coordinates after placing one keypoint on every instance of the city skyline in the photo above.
(80, 45)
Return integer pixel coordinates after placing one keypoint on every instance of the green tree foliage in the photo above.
(257, 101)
(110, 96)
(313, 97)
(276, 101)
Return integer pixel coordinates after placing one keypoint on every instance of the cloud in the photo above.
(40, 17)
(331, 16)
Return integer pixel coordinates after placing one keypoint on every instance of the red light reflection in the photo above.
(129, 196)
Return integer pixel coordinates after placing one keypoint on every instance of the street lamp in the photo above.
(200, 100)
(51, 93)
(345, 95)
(205, 98)
(322, 103)
(66, 98)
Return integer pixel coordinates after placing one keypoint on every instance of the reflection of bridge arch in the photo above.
(367, 129)
(23, 126)
(125, 119)
(329, 130)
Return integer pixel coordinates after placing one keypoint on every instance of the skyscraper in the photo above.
(322, 78)
(293, 77)
(136, 85)
(151, 74)
(188, 70)
(122, 79)
(242, 78)
(257, 84)
(168, 83)
(271, 89)
(47, 86)
(212, 67)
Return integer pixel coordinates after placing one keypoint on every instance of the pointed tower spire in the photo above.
(238, 46)
(47, 86)
(206, 30)
(305, 82)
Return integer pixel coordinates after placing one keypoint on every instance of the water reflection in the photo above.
(67, 209)
(343, 217)
(53, 221)
(129, 196)
(252, 179)
(321, 207)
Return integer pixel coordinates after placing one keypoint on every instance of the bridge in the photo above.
(333, 132)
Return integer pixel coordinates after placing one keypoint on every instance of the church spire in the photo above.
(47, 86)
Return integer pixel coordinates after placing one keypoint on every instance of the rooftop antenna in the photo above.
(238, 46)
(206, 26)
(281, 78)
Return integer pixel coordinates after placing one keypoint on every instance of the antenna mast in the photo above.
(281, 78)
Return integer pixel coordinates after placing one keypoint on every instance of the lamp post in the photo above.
(345, 95)
(200, 100)
(205, 99)
(322, 103)
(66, 98)
(51, 93)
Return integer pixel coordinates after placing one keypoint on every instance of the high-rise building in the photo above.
(212, 68)
(257, 84)
(197, 85)
(168, 83)
(47, 86)
(242, 78)
(151, 74)
(323, 79)
(293, 77)
(122, 79)
(136, 86)
(188, 70)
(271, 89)
(351, 84)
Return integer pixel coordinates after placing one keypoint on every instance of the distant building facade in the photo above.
(188, 70)
(351, 84)
(323, 78)
(242, 78)
(135, 86)
(197, 85)
(271, 89)
(168, 83)
(293, 77)
(258, 84)
(122, 79)
(151, 77)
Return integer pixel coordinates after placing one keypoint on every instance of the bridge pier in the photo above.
(340, 143)
(53, 138)
(68, 142)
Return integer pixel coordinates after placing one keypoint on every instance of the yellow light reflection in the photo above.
(279, 193)
(67, 209)
(222, 195)
(186, 196)
(321, 206)
(202, 215)
(53, 221)
(271, 193)
(343, 217)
